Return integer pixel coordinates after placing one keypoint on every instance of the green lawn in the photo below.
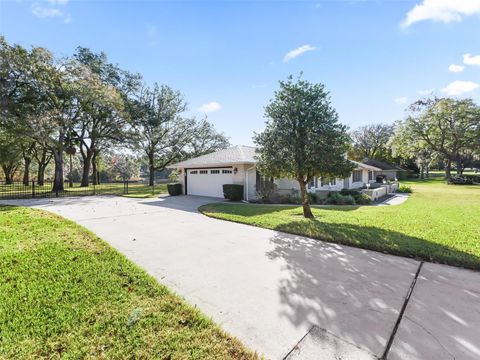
(64, 293)
(439, 223)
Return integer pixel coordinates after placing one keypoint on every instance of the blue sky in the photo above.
(227, 56)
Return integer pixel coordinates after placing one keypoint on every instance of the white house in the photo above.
(206, 174)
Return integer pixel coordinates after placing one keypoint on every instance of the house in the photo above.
(390, 172)
(206, 174)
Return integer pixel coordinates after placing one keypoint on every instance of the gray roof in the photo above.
(382, 165)
(364, 166)
(233, 155)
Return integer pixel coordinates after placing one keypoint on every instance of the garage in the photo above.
(208, 181)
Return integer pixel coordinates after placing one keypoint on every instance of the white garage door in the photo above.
(208, 182)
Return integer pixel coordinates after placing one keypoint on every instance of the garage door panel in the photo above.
(208, 182)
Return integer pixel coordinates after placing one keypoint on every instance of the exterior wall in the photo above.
(358, 184)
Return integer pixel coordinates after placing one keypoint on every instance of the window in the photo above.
(357, 175)
(311, 184)
(325, 181)
(214, 171)
(203, 171)
(226, 171)
(193, 172)
(370, 175)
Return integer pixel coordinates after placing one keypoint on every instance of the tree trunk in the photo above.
(151, 169)
(41, 174)
(26, 171)
(448, 169)
(9, 172)
(43, 162)
(307, 212)
(58, 158)
(422, 171)
(87, 162)
(427, 170)
(95, 178)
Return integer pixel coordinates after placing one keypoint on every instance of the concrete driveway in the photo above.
(287, 296)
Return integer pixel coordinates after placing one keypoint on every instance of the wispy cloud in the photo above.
(456, 68)
(445, 11)
(292, 54)
(152, 34)
(400, 100)
(459, 87)
(51, 9)
(210, 107)
(426, 92)
(470, 59)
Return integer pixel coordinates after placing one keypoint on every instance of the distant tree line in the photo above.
(440, 132)
(85, 105)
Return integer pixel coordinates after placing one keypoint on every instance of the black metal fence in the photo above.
(19, 190)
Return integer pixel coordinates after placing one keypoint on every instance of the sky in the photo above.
(226, 57)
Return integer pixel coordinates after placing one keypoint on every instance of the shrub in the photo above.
(404, 189)
(293, 198)
(265, 190)
(233, 192)
(174, 189)
(464, 180)
(352, 192)
(335, 198)
(313, 197)
(362, 199)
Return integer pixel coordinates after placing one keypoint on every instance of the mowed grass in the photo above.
(439, 223)
(64, 293)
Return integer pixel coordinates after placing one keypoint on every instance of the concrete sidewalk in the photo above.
(288, 296)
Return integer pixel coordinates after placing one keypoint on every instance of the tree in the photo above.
(303, 137)
(206, 140)
(10, 155)
(103, 120)
(447, 127)
(160, 131)
(405, 144)
(370, 141)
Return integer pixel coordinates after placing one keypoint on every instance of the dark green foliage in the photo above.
(352, 192)
(233, 192)
(464, 180)
(335, 198)
(404, 189)
(174, 189)
(362, 199)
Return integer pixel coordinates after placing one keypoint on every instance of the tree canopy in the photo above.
(303, 137)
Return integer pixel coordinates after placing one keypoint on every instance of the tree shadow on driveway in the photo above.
(354, 294)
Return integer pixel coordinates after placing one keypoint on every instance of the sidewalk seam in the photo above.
(402, 311)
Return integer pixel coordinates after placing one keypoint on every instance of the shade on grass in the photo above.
(439, 223)
(64, 293)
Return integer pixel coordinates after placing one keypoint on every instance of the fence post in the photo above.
(33, 188)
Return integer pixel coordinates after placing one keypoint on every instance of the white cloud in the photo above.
(469, 59)
(456, 68)
(426, 91)
(210, 107)
(292, 54)
(400, 100)
(51, 10)
(459, 87)
(445, 11)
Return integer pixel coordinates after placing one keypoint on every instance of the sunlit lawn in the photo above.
(438, 223)
(66, 294)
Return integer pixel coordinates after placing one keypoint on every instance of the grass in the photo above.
(64, 293)
(438, 223)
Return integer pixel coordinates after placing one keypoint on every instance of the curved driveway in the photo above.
(285, 295)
